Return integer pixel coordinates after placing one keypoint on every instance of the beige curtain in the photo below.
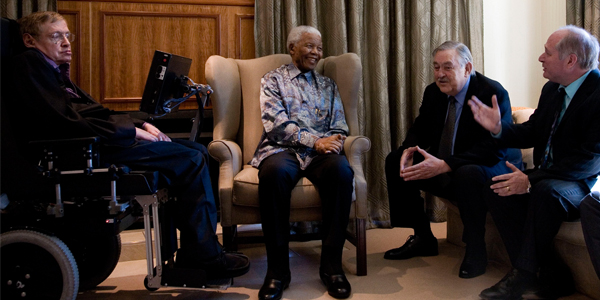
(15, 9)
(394, 40)
(585, 14)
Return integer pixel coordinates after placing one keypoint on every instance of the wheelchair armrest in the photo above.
(68, 154)
(84, 141)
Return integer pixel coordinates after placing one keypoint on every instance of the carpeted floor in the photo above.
(421, 278)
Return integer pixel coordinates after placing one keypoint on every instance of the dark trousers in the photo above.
(463, 186)
(528, 223)
(278, 175)
(590, 221)
(183, 166)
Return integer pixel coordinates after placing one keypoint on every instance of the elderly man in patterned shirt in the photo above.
(304, 133)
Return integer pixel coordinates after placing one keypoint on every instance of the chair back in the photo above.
(236, 99)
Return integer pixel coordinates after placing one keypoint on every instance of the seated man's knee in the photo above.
(590, 203)
(338, 168)
(547, 188)
(274, 169)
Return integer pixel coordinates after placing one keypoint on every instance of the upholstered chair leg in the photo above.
(361, 247)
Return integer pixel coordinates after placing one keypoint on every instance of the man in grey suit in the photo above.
(529, 208)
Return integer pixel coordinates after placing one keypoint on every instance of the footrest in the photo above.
(192, 278)
(219, 284)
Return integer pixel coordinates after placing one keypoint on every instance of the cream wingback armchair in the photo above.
(237, 131)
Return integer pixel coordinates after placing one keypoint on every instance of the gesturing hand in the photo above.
(514, 183)
(430, 167)
(487, 117)
(330, 144)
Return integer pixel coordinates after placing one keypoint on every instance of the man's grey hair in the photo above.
(464, 54)
(581, 43)
(297, 32)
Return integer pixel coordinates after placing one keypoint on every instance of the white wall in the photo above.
(514, 34)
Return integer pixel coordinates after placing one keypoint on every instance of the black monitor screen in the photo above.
(164, 81)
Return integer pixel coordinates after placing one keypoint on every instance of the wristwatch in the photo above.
(528, 187)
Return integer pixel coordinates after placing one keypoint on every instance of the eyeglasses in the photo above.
(58, 37)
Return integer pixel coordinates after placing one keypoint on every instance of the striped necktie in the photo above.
(445, 149)
(560, 99)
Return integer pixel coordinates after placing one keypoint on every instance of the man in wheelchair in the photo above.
(47, 105)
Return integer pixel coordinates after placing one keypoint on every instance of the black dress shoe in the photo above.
(552, 284)
(337, 285)
(473, 264)
(511, 287)
(414, 246)
(272, 289)
(471, 269)
(547, 292)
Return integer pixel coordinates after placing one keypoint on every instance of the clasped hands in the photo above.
(149, 132)
(430, 167)
(330, 144)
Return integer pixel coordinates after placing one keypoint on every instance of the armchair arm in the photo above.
(229, 156)
(354, 147)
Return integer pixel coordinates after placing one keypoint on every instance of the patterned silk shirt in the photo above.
(297, 109)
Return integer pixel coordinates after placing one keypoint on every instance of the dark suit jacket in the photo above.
(473, 144)
(42, 109)
(576, 141)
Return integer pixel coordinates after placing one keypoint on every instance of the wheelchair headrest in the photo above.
(12, 42)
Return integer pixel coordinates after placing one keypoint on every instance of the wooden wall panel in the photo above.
(118, 39)
(133, 37)
(245, 37)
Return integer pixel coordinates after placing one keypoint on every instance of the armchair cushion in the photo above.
(245, 191)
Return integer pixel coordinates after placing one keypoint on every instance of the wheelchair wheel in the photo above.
(97, 255)
(37, 266)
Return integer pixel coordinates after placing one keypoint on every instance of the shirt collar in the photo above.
(460, 97)
(572, 88)
(295, 72)
(50, 61)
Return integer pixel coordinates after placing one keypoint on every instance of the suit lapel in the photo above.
(466, 115)
(590, 84)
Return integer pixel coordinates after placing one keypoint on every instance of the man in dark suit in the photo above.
(449, 155)
(528, 208)
(45, 104)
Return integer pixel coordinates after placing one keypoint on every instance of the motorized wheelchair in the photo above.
(61, 218)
